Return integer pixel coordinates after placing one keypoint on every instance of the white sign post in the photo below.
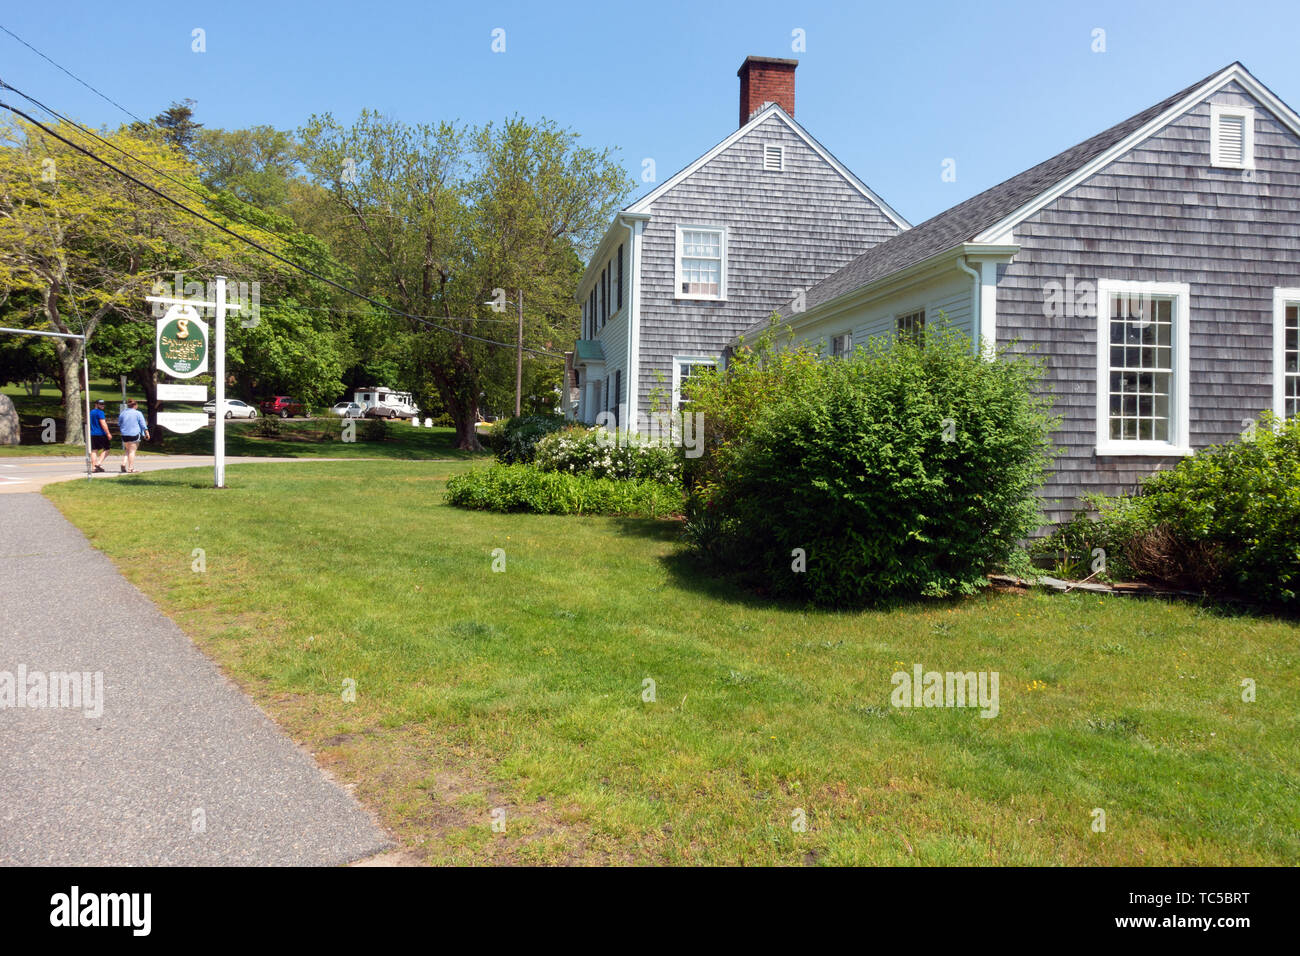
(219, 371)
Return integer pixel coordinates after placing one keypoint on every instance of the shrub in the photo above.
(901, 470)
(516, 440)
(267, 426)
(526, 488)
(1225, 519)
(375, 429)
(603, 454)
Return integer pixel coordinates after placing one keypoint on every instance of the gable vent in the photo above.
(1232, 140)
(774, 157)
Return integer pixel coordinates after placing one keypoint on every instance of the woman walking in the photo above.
(131, 425)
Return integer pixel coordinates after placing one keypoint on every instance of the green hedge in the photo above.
(1225, 520)
(525, 488)
(902, 470)
(515, 441)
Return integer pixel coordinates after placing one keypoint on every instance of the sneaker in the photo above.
(124, 469)
(99, 468)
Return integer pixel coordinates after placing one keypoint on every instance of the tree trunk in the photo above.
(144, 377)
(73, 415)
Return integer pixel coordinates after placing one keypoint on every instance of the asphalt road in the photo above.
(180, 768)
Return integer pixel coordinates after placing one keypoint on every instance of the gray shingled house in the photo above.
(1155, 268)
(714, 249)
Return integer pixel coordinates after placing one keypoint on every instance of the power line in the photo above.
(206, 199)
(102, 96)
(131, 156)
(258, 246)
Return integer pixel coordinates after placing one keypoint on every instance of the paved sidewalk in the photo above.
(175, 736)
(33, 472)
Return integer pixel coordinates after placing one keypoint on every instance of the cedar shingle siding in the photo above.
(1162, 213)
(785, 231)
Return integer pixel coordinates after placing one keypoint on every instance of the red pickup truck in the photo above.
(283, 406)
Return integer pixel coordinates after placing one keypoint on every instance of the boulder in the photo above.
(10, 433)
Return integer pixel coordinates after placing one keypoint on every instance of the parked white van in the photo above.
(386, 403)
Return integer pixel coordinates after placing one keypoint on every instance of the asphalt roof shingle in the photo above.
(968, 219)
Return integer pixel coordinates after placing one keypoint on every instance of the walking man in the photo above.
(131, 424)
(101, 439)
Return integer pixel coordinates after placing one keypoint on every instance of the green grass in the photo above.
(522, 690)
(320, 437)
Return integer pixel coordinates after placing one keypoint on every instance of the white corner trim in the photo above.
(1281, 299)
(1247, 113)
(643, 204)
(635, 227)
(678, 294)
(1236, 72)
(1180, 407)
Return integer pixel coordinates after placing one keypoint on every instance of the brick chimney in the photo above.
(763, 80)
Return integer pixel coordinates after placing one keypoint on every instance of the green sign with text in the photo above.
(181, 344)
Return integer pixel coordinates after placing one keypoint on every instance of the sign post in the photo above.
(182, 352)
(219, 445)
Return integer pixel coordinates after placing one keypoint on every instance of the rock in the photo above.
(10, 433)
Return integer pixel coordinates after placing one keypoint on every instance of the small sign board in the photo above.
(182, 393)
(183, 422)
(181, 342)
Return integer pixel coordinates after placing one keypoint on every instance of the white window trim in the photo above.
(1247, 113)
(678, 362)
(1180, 407)
(677, 265)
(780, 152)
(848, 333)
(1281, 299)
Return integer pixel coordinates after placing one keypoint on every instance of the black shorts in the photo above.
(133, 439)
(100, 442)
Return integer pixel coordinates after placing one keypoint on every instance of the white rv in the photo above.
(386, 403)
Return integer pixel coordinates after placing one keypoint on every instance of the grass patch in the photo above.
(523, 690)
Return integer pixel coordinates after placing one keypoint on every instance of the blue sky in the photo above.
(891, 89)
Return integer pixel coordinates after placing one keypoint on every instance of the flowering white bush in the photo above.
(605, 454)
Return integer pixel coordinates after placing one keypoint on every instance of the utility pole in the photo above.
(519, 357)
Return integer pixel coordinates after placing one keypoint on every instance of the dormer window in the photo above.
(1232, 137)
(773, 157)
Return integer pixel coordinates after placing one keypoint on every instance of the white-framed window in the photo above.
(685, 366)
(773, 157)
(841, 344)
(1232, 136)
(1286, 353)
(701, 262)
(911, 325)
(1142, 368)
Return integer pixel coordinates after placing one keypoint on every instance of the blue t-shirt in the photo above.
(97, 418)
(131, 423)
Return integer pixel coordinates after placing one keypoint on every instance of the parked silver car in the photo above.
(348, 410)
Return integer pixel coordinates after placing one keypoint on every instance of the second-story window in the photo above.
(701, 262)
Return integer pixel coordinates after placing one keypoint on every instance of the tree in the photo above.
(258, 165)
(90, 242)
(435, 219)
(176, 123)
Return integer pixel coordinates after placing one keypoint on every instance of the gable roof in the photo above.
(994, 211)
(643, 204)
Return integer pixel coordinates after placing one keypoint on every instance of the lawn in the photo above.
(320, 437)
(519, 696)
